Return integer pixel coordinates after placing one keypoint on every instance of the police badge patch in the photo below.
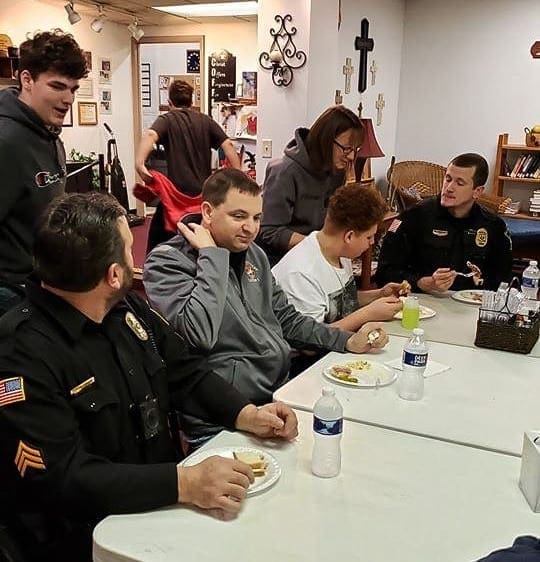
(481, 237)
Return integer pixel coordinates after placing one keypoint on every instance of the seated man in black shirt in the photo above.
(92, 385)
(430, 244)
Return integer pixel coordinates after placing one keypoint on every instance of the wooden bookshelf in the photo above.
(509, 153)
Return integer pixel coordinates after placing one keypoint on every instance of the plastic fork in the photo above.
(465, 274)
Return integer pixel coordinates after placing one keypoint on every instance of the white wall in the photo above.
(281, 109)
(467, 75)
(17, 17)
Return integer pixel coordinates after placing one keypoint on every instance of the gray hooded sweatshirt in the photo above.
(295, 197)
(229, 307)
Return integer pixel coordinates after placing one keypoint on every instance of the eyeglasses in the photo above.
(347, 149)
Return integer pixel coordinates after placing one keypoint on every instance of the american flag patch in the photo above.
(11, 390)
(394, 226)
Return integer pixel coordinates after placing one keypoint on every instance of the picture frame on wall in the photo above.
(68, 119)
(239, 90)
(87, 112)
(88, 59)
(249, 85)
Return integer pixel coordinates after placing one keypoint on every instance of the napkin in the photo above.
(432, 368)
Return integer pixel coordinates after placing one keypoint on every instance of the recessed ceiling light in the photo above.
(223, 9)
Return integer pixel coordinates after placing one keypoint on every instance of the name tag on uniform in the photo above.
(83, 386)
(440, 232)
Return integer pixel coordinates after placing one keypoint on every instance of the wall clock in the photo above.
(193, 61)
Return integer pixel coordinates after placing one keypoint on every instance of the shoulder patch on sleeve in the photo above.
(11, 391)
(28, 457)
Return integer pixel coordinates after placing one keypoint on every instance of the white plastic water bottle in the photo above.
(414, 362)
(530, 280)
(327, 430)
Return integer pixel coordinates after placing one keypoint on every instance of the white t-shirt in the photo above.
(314, 286)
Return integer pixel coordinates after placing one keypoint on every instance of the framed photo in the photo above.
(87, 112)
(105, 69)
(68, 119)
(86, 88)
(249, 85)
(105, 102)
(88, 59)
(239, 90)
(164, 82)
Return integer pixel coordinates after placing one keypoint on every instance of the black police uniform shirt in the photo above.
(427, 237)
(72, 439)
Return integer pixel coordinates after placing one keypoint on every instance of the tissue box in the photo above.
(529, 479)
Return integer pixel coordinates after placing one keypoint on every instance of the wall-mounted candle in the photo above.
(276, 56)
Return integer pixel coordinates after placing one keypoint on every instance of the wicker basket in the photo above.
(506, 337)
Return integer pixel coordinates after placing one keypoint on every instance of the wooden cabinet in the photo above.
(507, 183)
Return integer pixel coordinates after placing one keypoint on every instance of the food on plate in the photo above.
(254, 460)
(477, 297)
(345, 372)
(404, 288)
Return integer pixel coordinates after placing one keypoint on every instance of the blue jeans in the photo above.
(9, 298)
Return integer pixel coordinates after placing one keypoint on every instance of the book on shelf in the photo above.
(517, 166)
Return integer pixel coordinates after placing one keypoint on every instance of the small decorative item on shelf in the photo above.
(532, 136)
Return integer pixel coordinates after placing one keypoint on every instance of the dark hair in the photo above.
(181, 94)
(354, 207)
(52, 51)
(77, 239)
(216, 187)
(320, 139)
(473, 160)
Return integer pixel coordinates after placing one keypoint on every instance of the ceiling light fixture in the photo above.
(98, 23)
(73, 16)
(223, 9)
(136, 31)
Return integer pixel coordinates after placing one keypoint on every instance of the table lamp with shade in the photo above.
(370, 149)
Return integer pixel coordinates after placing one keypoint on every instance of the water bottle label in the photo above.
(529, 282)
(327, 427)
(414, 359)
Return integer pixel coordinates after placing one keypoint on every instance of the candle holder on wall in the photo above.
(283, 57)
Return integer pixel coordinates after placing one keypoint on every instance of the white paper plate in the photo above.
(273, 470)
(467, 296)
(376, 375)
(425, 312)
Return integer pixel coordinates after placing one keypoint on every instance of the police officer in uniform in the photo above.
(430, 243)
(92, 386)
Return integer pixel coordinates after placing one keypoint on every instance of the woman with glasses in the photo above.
(297, 186)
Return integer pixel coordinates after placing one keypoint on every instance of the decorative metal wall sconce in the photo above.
(283, 56)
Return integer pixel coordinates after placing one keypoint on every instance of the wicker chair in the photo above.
(495, 203)
(412, 180)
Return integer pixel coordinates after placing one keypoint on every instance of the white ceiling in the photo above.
(124, 11)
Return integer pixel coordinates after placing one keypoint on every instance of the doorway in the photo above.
(157, 61)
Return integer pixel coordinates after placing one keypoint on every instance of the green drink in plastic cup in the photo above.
(411, 313)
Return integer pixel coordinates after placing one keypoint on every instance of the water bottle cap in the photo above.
(328, 391)
(418, 332)
(533, 263)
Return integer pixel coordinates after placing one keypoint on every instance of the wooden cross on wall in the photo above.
(364, 44)
(348, 70)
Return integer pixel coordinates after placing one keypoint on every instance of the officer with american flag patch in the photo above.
(93, 388)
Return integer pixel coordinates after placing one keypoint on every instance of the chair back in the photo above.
(411, 181)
